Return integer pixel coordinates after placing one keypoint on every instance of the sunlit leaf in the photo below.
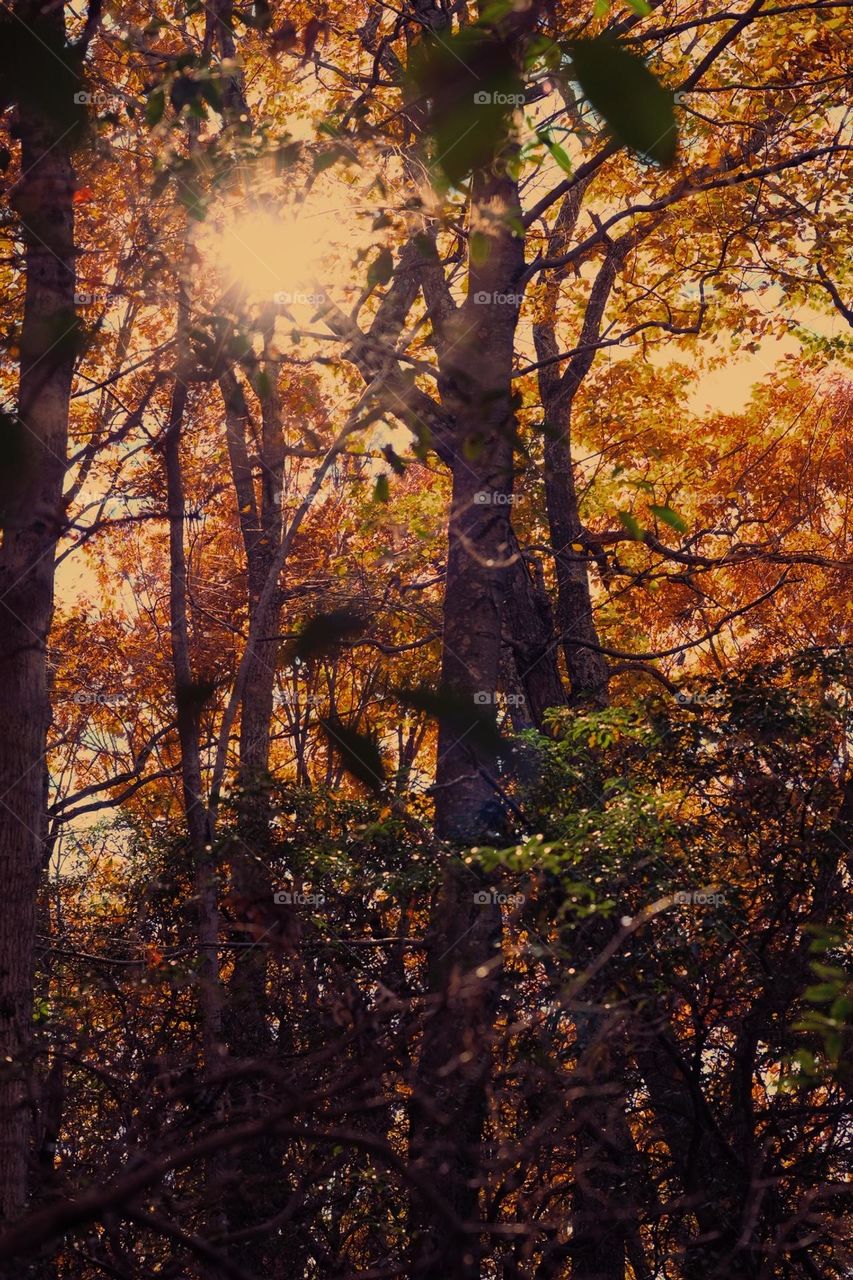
(559, 154)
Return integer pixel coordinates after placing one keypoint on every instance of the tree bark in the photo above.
(189, 694)
(33, 517)
(475, 353)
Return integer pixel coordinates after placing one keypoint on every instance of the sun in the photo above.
(265, 254)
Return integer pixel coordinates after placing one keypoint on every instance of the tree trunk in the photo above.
(261, 528)
(189, 696)
(464, 959)
(587, 668)
(33, 513)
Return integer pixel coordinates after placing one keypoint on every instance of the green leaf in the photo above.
(635, 105)
(640, 7)
(394, 460)
(155, 107)
(821, 992)
(358, 752)
(466, 719)
(478, 248)
(323, 634)
(561, 156)
(184, 92)
(631, 525)
(381, 269)
(381, 490)
(326, 159)
(670, 517)
(829, 971)
(472, 86)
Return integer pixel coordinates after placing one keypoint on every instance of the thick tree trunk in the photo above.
(464, 959)
(33, 513)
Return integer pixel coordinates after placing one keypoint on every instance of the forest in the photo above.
(426, 807)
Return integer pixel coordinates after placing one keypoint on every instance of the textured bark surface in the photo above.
(475, 353)
(260, 522)
(587, 668)
(530, 634)
(33, 516)
(189, 701)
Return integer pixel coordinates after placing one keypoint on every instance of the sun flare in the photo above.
(265, 254)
